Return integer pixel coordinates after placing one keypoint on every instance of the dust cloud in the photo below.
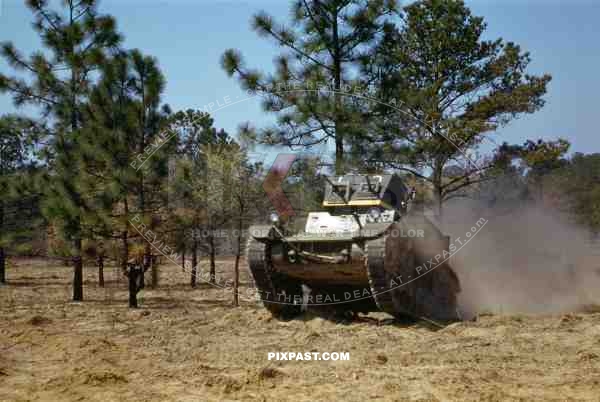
(527, 259)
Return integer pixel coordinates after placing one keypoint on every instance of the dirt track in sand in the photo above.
(191, 345)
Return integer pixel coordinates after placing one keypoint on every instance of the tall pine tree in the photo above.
(75, 39)
(449, 88)
(322, 47)
(125, 152)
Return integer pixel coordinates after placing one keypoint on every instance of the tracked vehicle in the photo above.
(368, 250)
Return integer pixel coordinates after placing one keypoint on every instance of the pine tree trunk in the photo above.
(101, 272)
(238, 253)
(77, 260)
(337, 82)
(194, 263)
(437, 190)
(236, 280)
(2, 266)
(183, 259)
(134, 273)
(77, 272)
(124, 251)
(124, 239)
(213, 271)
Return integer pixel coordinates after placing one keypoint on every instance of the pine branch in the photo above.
(292, 46)
(23, 90)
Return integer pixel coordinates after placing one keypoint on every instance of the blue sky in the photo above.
(189, 36)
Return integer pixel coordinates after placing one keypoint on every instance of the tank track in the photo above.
(392, 299)
(269, 284)
(375, 264)
(433, 295)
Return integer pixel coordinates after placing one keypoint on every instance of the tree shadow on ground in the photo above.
(181, 287)
(169, 303)
(34, 283)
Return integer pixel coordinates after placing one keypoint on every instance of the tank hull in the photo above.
(388, 272)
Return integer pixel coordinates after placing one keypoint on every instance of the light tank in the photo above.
(369, 249)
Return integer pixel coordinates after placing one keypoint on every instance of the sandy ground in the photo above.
(191, 345)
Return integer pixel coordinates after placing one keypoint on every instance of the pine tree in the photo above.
(19, 202)
(449, 89)
(108, 149)
(151, 119)
(76, 39)
(537, 158)
(126, 147)
(323, 46)
(198, 185)
(579, 184)
(246, 193)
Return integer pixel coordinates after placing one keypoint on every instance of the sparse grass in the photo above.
(185, 344)
(103, 378)
(39, 320)
(269, 372)
(381, 358)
